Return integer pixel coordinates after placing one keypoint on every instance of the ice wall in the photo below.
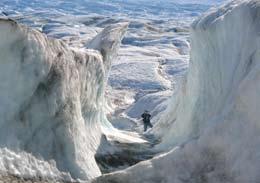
(224, 50)
(51, 96)
(213, 122)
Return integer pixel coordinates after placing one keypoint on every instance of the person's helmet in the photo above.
(146, 111)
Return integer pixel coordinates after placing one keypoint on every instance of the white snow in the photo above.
(212, 124)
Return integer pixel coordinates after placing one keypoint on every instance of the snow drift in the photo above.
(213, 121)
(51, 96)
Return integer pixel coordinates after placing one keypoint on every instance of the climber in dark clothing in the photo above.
(146, 119)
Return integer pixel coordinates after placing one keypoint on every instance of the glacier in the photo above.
(52, 99)
(211, 126)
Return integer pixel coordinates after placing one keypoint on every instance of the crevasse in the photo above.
(211, 126)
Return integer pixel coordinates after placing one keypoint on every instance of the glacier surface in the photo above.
(211, 126)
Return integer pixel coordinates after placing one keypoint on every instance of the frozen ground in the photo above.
(151, 62)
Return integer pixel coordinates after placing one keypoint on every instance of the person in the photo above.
(146, 119)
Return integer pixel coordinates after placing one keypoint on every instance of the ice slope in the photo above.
(212, 125)
(52, 96)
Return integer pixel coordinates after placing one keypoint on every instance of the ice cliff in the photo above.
(212, 124)
(51, 97)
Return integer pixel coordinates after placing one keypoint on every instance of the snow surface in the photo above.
(212, 124)
(52, 96)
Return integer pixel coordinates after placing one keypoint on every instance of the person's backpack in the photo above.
(146, 117)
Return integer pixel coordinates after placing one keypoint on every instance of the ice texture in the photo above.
(52, 96)
(212, 124)
(27, 166)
